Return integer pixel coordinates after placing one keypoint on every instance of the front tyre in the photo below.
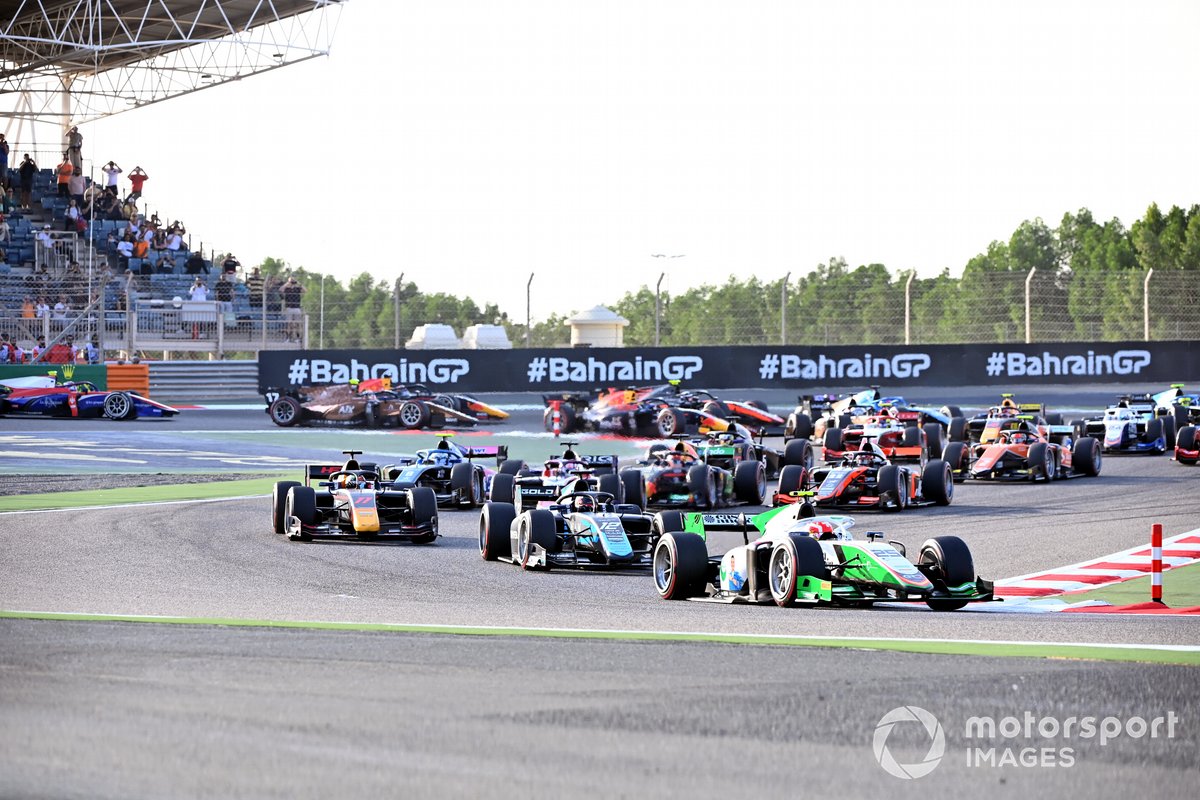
(495, 523)
(119, 406)
(948, 561)
(680, 565)
(285, 411)
(795, 557)
(279, 495)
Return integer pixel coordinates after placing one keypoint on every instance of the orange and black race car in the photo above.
(1022, 450)
(983, 428)
(375, 403)
(350, 500)
(658, 412)
(866, 479)
(898, 439)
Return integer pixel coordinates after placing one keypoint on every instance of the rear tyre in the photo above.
(462, 484)
(535, 527)
(933, 440)
(278, 501)
(612, 484)
(495, 522)
(1168, 424)
(702, 486)
(833, 441)
(503, 488)
(666, 522)
(750, 482)
(912, 437)
(957, 457)
(957, 431)
(680, 565)
(512, 466)
(795, 557)
(1054, 419)
(949, 561)
(937, 484)
(566, 419)
(423, 502)
(792, 478)
(634, 487)
(798, 426)
(799, 452)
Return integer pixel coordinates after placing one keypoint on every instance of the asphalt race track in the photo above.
(104, 709)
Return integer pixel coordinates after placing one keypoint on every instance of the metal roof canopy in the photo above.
(73, 61)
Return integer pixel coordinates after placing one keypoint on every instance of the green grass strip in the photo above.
(139, 494)
(1181, 589)
(1058, 650)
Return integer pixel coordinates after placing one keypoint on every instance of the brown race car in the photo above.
(375, 403)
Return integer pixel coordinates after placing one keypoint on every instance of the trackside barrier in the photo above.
(1156, 565)
(130, 378)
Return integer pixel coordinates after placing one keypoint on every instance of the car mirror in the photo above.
(899, 547)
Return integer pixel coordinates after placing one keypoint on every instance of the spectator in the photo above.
(91, 351)
(254, 285)
(131, 295)
(64, 171)
(28, 317)
(199, 291)
(71, 217)
(42, 309)
(137, 178)
(111, 171)
(37, 349)
(129, 208)
(76, 186)
(4, 149)
(196, 264)
(125, 250)
(166, 265)
(271, 293)
(291, 292)
(61, 352)
(5, 230)
(224, 292)
(9, 205)
(46, 246)
(75, 148)
(61, 309)
(140, 248)
(18, 353)
(27, 170)
(5, 349)
(230, 264)
(174, 241)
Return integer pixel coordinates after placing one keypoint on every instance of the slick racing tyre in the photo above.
(119, 405)
(612, 484)
(466, 483)
(494, 525)
(1186, 440)
(285, 411)
(566, 419)
(1041, 462)
(798, 426)
(703, 486)
(668, 422)
(634, 486)
(680, 565)
(933, 440)
(799, 452)
(512, 466)
(302, 504)
(503, 488)
(414, 415)
(937, 483)
(279, 495)
(795, 557)
(892, 488)
(750, 482)
(1085, 456)
(949, 562)
(792, 478)
(832, 441)
(535, 527)
(423, 503)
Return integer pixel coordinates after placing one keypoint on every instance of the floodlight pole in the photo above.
(783, 309)
(528, 313)
(658, 305)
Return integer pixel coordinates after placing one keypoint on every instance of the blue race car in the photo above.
(583, 529)
(44, 396)
(449, 469)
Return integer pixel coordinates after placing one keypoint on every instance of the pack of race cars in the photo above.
(581, 509)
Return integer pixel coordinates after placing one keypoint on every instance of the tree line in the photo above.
(1088, 285)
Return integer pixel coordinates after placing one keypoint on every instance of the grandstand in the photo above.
(66, 64)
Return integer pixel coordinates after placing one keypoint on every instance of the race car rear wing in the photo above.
(497, 451)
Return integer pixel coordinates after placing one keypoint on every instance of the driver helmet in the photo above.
(584, 502)
(441, 457)
(865, 458)
(348, 481)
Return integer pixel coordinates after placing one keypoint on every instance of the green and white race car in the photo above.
(800, 558)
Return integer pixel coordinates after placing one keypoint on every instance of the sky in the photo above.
(470, 143)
